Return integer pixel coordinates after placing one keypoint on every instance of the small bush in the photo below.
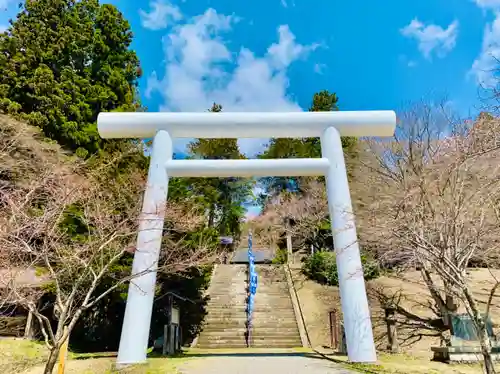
(322, 268)
(281, 256)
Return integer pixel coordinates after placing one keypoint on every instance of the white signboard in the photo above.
(175, 316)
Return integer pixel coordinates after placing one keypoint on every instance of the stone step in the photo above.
(260, 320)
(215, 307)
(261, 302)
(256, 313)
(263, 343)
(232, 325)
(227, 286)
(243, 292)
(270, 301)
(241, 323)
(274, 321)
(242, 287)
(226, 298)
(258, 296)
(243, 345)
(271, 316)
(225, 307)
(241, 336)
(272, 291)
(254, 342)
(277, 309)
(220, 310)
(225, 303)
(241, 330)
(256, 333)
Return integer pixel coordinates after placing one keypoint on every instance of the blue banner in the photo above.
(252, 280)
(250, 305)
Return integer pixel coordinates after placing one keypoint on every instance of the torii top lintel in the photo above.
(245, 124)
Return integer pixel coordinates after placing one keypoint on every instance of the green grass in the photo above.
(406, 364)
(106, 365)
(17, 355)
(20, 356)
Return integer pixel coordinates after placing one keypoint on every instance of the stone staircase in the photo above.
(274, 323)
(224, 325)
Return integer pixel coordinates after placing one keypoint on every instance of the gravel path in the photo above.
(259, 364)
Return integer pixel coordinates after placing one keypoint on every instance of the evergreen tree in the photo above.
(322, 101)
(63, 62)
(222, 197)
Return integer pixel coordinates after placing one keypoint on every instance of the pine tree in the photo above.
(322, 101)
(63, 62)
(224, 197)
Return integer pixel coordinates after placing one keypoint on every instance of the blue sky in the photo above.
(272, 55)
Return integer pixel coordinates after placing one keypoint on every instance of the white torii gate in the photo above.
(329, 126)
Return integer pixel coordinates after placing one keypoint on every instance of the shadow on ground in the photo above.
(252, 354)
(87, 356)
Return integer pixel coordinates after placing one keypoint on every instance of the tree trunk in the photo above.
(211, 216)
(28, 330)
(489, 367)
(484, 339)
(52, 360)
(485, 342)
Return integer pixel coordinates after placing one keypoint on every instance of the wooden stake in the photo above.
(63, 352)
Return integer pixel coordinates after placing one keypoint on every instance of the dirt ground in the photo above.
(317, 300)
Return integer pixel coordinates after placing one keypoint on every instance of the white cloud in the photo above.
(161, 15)
(408, 62)
(485, 64)
(432, 37)
(200, 69)
(4, 4)
(285, 3)
(488, 4)
(319, 68)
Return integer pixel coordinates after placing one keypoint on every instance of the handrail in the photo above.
(294, 290)
(179, 297)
